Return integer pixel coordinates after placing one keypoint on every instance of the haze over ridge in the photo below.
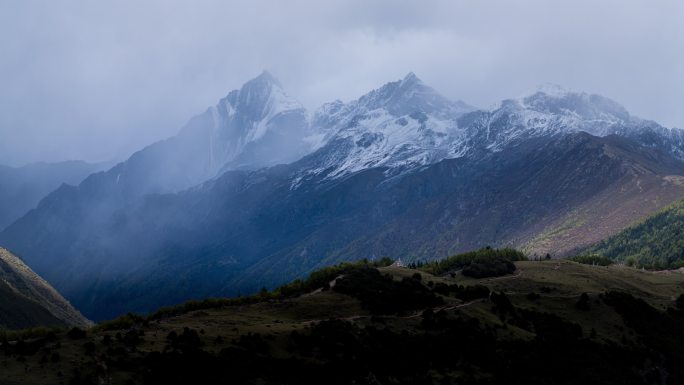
(97, 82)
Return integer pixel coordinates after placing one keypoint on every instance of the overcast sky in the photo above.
(95, 81)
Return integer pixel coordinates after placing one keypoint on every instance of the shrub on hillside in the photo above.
(486, 256)
(124, 322)
(316, 280)
(592, 259)
(381, 294)
(489, 266)
(322, 277)
(76, 333)
(464, 293)
(583, 302)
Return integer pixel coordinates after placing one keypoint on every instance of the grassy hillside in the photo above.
(614, 209)
(555, 322)
(27, 300)
(655, 243)
(17, 311)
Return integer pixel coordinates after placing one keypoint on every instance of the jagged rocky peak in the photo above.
(255, 126)
(552, 90)
(259, 98)
(552, 110)
(402, 125)
(552, 98)
(406, 97)
(328, 116)
(409, 95)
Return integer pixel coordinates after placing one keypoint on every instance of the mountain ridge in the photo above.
(381, 168)
(22, 188)
(245, 230)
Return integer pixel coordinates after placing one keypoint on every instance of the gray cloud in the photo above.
(98, 80)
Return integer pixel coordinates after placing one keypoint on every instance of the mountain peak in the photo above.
(260, 97)
(259, 112)
(411, 78)
(408, 95)
(265, 81)
(554, 99)
(552, 89)
(267, 77)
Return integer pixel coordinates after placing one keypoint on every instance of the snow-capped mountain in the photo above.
(258, 125)
(402, 125)
(229, 223)
(553, 111)
(405, 125)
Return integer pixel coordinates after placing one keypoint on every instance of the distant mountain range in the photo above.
(257, 191)
(21, 188)
(28, 301)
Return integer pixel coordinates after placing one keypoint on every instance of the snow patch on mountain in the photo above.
(258, 125)
(401, 125)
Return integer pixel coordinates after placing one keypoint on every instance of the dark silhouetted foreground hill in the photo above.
(552, 322)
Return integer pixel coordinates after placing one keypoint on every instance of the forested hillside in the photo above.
(655, 243)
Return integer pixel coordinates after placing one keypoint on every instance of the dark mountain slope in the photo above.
(401, 171)
(246, 230)
(256, 126)
(639, 196)
(26, 300)
(648, 180)
(21, 188)
(499, 200)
